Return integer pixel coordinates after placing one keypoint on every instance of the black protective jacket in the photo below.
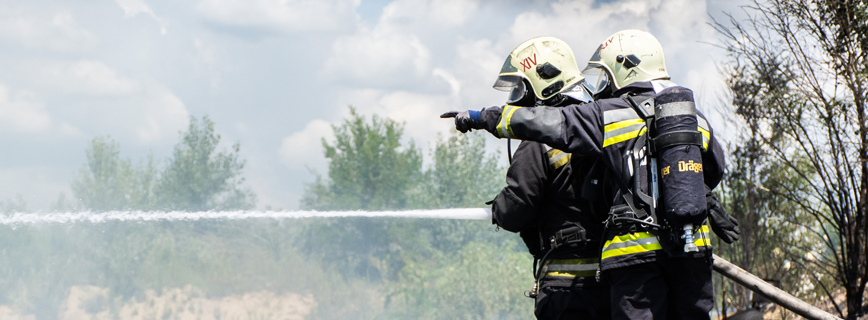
(543, 196)
(542, 201)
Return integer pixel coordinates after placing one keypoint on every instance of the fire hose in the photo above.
(775, 295)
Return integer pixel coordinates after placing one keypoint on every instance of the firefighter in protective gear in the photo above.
(650, 277)
(542, 200)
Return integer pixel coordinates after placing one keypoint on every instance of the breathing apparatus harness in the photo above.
(572, 237)
(671, 139)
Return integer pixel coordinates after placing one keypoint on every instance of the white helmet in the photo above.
(547, 64)
(625, 57)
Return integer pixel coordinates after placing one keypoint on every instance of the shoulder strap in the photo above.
(634, 195)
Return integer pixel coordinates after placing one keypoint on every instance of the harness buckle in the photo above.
(649, 219)
(571, 236)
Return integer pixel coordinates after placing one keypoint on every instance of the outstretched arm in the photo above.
(574, 128)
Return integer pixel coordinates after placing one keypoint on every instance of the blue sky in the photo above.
(275, 74)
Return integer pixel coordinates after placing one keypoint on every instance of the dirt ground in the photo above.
(89, 302)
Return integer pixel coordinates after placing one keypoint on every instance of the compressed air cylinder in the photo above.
(678, 145)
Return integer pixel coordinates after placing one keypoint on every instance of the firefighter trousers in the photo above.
(573, 302)
(673, 288)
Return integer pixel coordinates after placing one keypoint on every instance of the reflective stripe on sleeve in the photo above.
(631, 243)
(622, 131)
(619, 115)
(503, 127)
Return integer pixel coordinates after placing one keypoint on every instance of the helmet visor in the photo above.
(507, 83)
(596, 78)
(518, 92)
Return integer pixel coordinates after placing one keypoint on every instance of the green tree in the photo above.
(11, 205)
(368, 168)
(810, 58)
(198, 178)
(462, 175)
(773, 241)
(108, 182)
(480, 280)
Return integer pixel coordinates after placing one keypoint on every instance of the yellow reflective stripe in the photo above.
(562, 161)
(622, 124)
(706, 136)
(702, 237)
(629, 237)
(632, 250)
(573, 261)
(553, 152)
(503, 127)
(558, 158)
(572, 274)
(641, 246)
(623, 137)
(560, 264)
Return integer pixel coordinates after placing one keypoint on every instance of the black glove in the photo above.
(723, 224)
(466, 120)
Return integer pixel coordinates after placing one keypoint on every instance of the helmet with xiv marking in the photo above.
(544, 66)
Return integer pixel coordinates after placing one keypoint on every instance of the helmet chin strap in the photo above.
(556, 100)
(529, 100)
(605, 93)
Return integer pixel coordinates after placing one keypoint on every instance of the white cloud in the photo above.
(88, 77)
(378, 57)
(421, 15)
(150, 115)
(157, 114)
(22, 112)
(304, 148)
(396, 50)
(57, 31)
(453, 82)
(281, 15)
(206, 58)
(108, 102)
(476, 65)
(133, 8)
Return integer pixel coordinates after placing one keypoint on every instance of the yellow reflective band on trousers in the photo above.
(571, 268)
(503, 128)
(622, 131)
(645, 241)
(631, 243)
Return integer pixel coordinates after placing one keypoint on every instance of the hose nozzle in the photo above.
(689, 245)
